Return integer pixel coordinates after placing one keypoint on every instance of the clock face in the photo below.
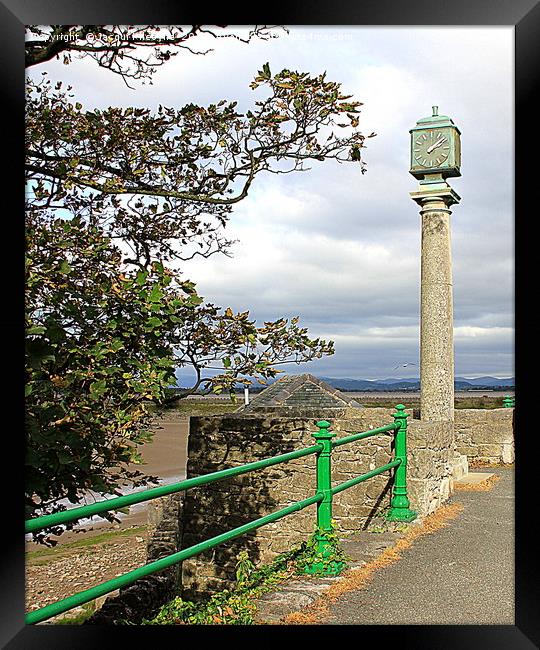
(431, 148)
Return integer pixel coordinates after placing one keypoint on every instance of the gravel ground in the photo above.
(74, 569)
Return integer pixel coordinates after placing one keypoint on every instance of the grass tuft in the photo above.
(46, 555)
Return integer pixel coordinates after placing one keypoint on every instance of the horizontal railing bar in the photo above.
(364, 434)
(128, 578)
(31, 525)
(364, 477)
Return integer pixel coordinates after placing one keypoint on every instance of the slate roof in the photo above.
(303, 394)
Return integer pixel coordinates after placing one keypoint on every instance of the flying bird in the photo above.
(404, 365)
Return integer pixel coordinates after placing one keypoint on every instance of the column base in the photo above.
(401, 514)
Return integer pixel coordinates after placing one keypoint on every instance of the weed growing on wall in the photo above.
(236, 606)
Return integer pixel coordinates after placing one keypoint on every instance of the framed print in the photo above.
(312, 246)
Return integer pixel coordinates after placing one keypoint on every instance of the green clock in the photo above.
(435, 148)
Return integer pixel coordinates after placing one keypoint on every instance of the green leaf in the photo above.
(141, 277)
(98, 387)
(156, 294)
(36, 330)
(65, 267)
(116, 345)
(65, 458)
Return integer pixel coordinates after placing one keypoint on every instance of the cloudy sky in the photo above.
(341, 249)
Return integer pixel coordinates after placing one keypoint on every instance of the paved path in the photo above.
(461, 575)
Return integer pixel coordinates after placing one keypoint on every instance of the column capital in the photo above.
(437, 192)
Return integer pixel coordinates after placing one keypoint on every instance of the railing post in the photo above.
(325, 549)
(399, 506)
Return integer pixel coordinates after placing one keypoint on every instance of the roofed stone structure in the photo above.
(300, 395)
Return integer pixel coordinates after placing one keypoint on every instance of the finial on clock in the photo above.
(435, 110)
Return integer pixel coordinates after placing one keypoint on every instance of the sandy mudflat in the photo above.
(164, 457)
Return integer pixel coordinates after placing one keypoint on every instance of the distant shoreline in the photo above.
(374, 394)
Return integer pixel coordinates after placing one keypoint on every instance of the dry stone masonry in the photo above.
(485, 435)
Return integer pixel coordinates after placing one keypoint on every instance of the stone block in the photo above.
(444, 491)
(485, 433)
(421, 463)
(460, 466)
(418, 495)
(508, 455)
(490, 450)
(469, 451)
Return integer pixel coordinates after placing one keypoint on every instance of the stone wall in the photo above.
(218, 442)
(485, 435)
(143, 598)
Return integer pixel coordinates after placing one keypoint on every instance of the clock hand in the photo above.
(434, 146)
(439, 142)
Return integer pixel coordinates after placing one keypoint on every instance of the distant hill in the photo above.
(490, 381)
(352, 384)
(413, 383)
(409, 383)
(362, 385)
(410, 380)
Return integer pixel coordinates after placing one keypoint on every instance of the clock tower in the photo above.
(436, 156)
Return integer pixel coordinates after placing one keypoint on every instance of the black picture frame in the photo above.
(524, 15)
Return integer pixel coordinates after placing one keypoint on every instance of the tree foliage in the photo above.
(95, 358)
(116, 199)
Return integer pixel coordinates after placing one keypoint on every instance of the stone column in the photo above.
(436, 310)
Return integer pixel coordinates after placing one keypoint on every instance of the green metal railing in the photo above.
(509, 401)
(399, 508)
